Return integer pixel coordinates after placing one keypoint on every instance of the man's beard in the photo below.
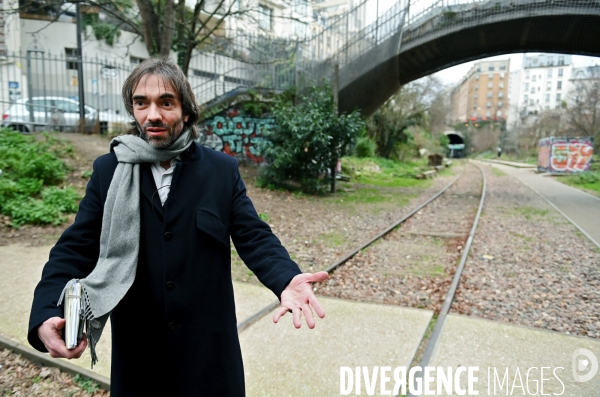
(173, 132)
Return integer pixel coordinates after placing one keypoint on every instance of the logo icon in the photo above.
(584, 361)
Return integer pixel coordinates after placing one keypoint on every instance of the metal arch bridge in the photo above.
(415, 38)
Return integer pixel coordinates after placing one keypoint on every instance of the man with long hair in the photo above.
(151, 248)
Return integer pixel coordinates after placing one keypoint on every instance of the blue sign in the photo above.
(13, 84)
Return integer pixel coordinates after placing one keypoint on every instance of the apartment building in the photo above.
(544, 83)
(483, 92)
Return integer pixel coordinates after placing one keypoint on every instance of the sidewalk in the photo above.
(499, 349)
(581, 208)
(20, 271)
(511, 163)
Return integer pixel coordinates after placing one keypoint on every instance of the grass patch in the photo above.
(370, 195)
(523, 237)
(86, 384)
(530, 212)
(383, 172)
(588, 180)
(497, 172)
(332, 239)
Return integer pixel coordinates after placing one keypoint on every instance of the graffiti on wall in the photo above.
(565, 154)
(236, 134)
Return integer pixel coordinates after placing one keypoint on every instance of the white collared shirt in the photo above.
(163, 178)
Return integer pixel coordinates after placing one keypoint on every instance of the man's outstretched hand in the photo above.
(298, 297)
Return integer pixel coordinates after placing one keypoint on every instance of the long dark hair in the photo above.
(172, 76)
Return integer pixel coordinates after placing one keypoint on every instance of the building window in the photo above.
(489, 95)
(476, 86)
(560, 72)
(202, 73)
(531, 103)
(547, 98)
(534, 61)
(475, 105)
(491, 67)
(527, 73)
(502, 75)
(557, 97)
(71, 57)
(476, 96)
(502, 67)
(550, 73)
(490, 85)
(501, 84)
(533, 90)
(500, 94)
(548, 85)
(526, 87)
(561, 60)
(265, 17)
(559, 85)
(477, 77)
(489, 104)
(134, 61)
(526, 98)
(533, 78)
(491, 76)
(499, 104)
(479, 68)
(488, 113)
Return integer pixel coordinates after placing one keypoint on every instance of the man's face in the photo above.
(158, 112)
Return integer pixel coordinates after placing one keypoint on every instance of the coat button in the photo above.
(168, 236)
(172, 326)
(170, 285)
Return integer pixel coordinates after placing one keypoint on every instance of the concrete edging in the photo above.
(43, 359)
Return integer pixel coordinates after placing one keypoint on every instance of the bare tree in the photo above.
(164, 25)
(409, 107)
(583, 108)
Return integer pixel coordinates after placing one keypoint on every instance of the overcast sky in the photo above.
(454, 74)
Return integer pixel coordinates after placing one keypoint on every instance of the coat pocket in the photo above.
(210, 224)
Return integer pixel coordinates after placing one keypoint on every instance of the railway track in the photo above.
(447, 221)
(457, 196)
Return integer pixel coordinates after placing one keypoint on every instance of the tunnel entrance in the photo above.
(456, 147)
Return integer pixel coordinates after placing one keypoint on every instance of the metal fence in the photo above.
(39, 90)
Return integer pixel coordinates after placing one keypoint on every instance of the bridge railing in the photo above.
(369, 24)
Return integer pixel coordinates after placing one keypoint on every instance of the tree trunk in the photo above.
(151, 28)
(333, 174)
(168, 25)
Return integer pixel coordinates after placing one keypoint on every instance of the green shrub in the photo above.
(365, 147)
(308, 141)
(589, 177)
(31, 170)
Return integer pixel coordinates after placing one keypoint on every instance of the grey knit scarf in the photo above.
(115, 270)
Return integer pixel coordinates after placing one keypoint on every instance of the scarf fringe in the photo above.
(86, 316)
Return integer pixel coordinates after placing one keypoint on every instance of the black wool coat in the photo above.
(176, 326)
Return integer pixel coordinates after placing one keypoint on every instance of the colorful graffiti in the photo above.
(236, 134)
(565, 155)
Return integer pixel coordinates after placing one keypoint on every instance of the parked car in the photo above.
(55, 113)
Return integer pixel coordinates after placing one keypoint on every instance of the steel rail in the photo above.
(432, 343)
(104, 383)
(273, 305)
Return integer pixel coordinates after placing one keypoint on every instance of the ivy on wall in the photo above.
(102, 31)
